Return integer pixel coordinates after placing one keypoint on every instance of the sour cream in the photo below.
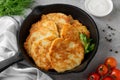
(99, 7)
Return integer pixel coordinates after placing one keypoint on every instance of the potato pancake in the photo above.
(65, 54)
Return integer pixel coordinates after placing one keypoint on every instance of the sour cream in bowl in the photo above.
(99, 8)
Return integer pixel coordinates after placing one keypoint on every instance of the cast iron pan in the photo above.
(35, 15)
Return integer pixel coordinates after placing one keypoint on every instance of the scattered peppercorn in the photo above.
(109, 40)
(109, 27)
(116, 51)
(111, 50)
(113, 33)
(109, 35)
(103, 30)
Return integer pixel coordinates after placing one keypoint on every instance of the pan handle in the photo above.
(8, 62)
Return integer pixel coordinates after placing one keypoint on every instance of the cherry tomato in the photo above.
(115, 74)
(102, 69)
(111, 62)
(107, 78)
(94, 76)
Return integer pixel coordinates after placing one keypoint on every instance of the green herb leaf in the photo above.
(87, 43)
(13, 7)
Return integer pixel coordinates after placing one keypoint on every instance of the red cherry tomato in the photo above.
(102, 69)
(111, 62)
(115, 74)
(94, 76)
(107, 78)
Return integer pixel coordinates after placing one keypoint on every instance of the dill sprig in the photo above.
(13, 7)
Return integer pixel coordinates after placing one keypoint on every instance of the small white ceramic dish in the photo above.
(99, 8)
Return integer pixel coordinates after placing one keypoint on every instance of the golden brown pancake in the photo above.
(39, 50)
(81, 28)
(69, 32)
(58, 18)
(41, 33)
(44, 23)
(65, 54)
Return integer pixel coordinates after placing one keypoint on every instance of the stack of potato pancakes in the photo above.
(54, 43)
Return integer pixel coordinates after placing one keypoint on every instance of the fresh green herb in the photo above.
(13, 7)
(87, 42)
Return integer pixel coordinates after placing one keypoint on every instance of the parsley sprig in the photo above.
(87, 43)
(13, 7)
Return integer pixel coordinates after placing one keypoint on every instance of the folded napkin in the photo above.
(8, 47)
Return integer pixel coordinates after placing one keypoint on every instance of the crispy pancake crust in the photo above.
(58, 18)
(40, 30)
(41, 34)
(65, 54)
(44, 23)
(40, 50)
(81, 28)
(69, 32)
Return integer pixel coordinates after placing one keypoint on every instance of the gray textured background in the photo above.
(112, 20)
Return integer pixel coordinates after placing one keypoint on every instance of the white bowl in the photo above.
(99, 8)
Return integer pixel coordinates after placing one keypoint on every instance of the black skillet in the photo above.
(35, 15)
